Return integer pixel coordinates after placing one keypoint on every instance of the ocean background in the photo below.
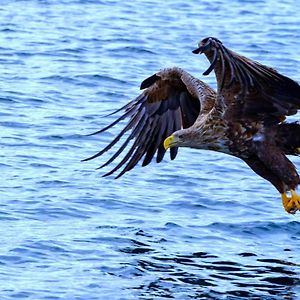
(203, 226)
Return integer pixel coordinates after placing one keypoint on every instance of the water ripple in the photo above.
(203, 226)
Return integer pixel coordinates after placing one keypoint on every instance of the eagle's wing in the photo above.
(171, 100)
(250, 89)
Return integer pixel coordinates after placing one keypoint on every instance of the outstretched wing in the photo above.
(171, 100)
(248, 88)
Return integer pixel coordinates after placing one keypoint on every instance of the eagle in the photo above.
(245, 118)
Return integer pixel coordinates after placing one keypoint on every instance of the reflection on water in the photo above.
(206, 275)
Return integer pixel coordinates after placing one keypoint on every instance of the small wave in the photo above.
(129, 49)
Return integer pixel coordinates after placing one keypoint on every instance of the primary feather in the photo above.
(172, 99)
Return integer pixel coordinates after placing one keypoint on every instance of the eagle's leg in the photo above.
(283, 173)
(291, 204)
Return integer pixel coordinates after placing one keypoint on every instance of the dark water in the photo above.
(203, 226)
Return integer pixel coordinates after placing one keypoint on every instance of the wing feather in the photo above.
(129, 153)
(132, 135)
(135, 119)
(248, 88)
(138, 149)
(176, 126)
(152, 147)
(170, 101)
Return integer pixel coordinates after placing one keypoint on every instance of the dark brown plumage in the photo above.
(171, 100)
(255, 99)
(245, 118)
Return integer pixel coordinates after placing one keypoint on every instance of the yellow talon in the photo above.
(291, 204)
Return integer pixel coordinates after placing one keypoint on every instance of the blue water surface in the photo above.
(203, 226)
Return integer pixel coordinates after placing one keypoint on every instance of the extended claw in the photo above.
(291, 204)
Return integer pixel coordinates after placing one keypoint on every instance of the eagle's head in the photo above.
(199, 137)
(192, 137)
(177, 139)
(206, 45)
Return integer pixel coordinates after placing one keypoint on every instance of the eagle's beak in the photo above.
(169, 142)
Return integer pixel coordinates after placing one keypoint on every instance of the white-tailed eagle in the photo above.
(245, 118)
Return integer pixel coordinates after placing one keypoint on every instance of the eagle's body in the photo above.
(245, 118)
(212, 132)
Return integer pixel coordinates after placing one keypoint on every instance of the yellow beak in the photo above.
(169, 141)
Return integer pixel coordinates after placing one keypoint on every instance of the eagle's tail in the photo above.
(288, 137)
